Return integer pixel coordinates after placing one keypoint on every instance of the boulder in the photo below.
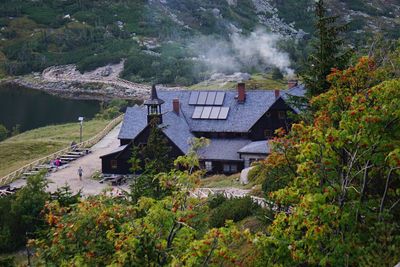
(244, 175)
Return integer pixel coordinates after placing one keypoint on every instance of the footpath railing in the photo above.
(228, 193)
(9, 178)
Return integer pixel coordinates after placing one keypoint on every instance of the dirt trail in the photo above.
(90, 164)
(108, 75)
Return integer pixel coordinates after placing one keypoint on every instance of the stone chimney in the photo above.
(241, 97)
(277, 94)
(175, 105)
(292, 83)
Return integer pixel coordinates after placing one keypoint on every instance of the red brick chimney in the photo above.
(241, 92)
(292, 83)
(175, 105)
(277, 94)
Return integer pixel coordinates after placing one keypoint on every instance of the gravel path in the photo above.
(90, 164)
(71, 74)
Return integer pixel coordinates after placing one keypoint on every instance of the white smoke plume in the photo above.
(258, 50)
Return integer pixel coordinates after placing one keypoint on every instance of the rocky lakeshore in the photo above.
(100, 84)
(78, 89)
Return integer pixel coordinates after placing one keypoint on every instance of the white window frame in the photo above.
(208, 165)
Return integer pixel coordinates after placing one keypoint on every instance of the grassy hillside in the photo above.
(257, 81)
(24, 148)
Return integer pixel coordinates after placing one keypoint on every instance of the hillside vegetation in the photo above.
(24, 148)
(156, 37)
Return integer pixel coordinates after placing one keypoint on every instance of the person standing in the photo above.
(58, 163)
(80, 172)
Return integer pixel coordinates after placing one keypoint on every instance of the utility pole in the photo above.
(81, 124)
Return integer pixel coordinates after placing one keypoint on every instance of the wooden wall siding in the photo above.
(271, 122)
(218, 166)
(123, 157)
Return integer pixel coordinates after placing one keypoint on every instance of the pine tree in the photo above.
(156, 152)
(156, 159)
(328, 52)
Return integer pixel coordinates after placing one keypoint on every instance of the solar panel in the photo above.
(202, 98)
(215, 112)
(197, 112)
(223, 114)
(219, 99)
(193, 98)
(206, 113)
(211, 98)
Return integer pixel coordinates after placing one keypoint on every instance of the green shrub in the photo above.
(20, 213)
(7, 261)
(216, 200)
(3, 132)
(96, 61)
(235, 209)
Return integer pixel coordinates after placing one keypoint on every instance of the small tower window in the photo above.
(153, 109)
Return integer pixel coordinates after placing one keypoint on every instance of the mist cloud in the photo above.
(243, 52)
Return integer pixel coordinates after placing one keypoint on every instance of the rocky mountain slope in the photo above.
(167, 40)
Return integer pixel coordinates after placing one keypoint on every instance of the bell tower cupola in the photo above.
(154, 106)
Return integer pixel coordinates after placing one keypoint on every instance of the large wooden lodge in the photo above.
(238, 124)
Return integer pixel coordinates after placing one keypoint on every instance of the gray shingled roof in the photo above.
(135, 121)
(258, 147)
(118, 149)
(241, 117)
(292, 95)
(177, 129)
(223, 149)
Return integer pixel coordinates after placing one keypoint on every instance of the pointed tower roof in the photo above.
(154, 100)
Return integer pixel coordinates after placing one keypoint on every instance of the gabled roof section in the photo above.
(223, 149)
(241, 116)
(293, 95)
(177, 130)
(258, 147)
(135, 120)
(115, 151)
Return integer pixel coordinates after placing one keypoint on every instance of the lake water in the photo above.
(32, 108)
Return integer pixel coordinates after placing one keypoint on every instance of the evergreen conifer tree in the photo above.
(328, 52)
(155, 159)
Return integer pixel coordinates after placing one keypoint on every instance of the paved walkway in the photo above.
(90, 164)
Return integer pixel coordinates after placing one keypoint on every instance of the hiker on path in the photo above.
(80, 172)
(58, 163)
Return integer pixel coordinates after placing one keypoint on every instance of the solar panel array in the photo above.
(206, 98)
(213, 113)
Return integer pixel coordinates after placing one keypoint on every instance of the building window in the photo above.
(208, 166)
(114, 164)
(230, 168)
(267, 133)
(282, 114)
(233, 168)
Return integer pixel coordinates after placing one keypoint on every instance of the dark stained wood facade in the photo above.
(276, 117)
(117, 163)
(220, 166)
